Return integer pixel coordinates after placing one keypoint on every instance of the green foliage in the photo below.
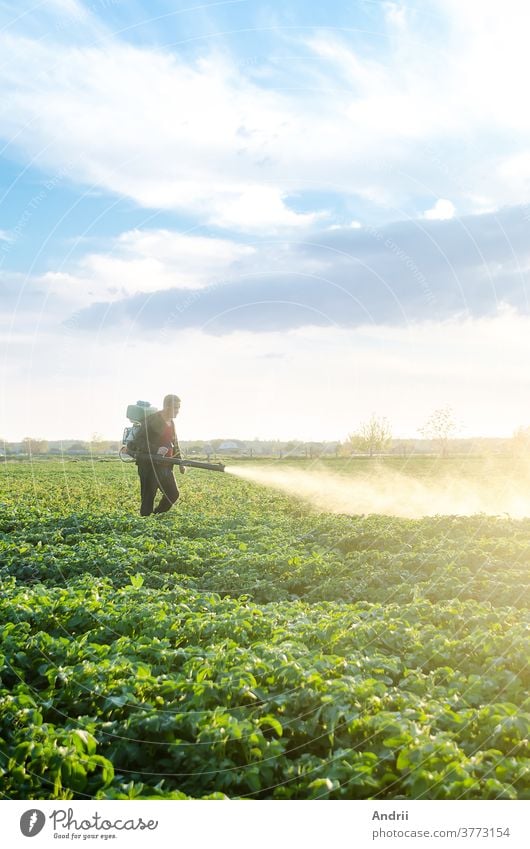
(373, 436)
(245, 646)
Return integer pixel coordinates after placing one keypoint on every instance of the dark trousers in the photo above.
(152, 477)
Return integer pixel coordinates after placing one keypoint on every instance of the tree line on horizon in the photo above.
(372, 437)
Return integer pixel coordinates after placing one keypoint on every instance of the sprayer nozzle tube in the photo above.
(179, 461)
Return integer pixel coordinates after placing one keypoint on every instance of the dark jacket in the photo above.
(151, 435)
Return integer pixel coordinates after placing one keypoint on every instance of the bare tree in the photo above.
(34, 446)
(520, 442)
(372, 437)
(441, 426)
(99, 445)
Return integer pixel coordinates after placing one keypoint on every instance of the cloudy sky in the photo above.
(292, 214)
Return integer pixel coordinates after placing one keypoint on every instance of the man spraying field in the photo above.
(152, 443)
(157, 437)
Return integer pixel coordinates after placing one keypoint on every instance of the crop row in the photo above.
(245, 646)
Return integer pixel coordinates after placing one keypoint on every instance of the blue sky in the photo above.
(249, 203)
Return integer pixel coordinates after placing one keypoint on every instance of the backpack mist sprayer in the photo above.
(134, 446)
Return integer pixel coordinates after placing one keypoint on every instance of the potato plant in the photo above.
(245, 645)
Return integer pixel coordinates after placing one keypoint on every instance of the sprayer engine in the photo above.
(137, 414)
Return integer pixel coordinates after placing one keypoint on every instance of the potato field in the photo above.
(246, 645)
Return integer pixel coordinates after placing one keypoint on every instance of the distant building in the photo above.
(231, 446)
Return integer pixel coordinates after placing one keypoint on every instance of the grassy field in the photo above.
(249, 645)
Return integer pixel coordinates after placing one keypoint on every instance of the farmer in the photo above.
(157, 437)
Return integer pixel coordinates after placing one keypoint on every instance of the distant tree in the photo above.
(520, 441)
(292, 447)
(98, 445)
(78, 447)
(403, 447)
(33, 446)
(440, 427)
(372, 437)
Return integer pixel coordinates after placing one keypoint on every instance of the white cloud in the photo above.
(352, 225)
(405, 271)
(205, 138)
(396, 15)
(515, 170)
(193, 137)
(259, 209)
(69, 7)
(480, 204)
(442, 210)
(147, 261)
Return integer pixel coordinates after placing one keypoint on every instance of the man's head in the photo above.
(171, 405)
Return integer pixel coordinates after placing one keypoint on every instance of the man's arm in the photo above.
(176, 446)
(176, 450)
